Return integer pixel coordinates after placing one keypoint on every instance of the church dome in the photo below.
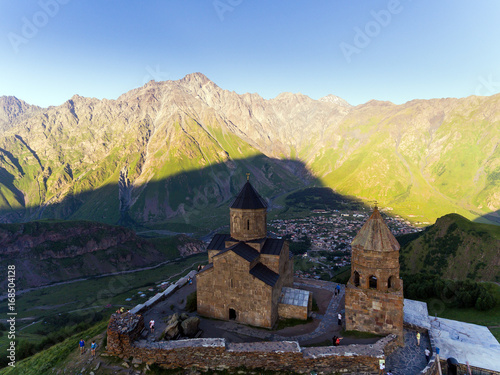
(248, 199)
(375, 235)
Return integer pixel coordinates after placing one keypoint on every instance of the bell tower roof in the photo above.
(248, 199)
(375, 235)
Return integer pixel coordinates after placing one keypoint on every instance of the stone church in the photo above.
(374, 293)
(249, 277)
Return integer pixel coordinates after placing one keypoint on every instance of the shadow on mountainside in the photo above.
(191, 200)
(490, 218)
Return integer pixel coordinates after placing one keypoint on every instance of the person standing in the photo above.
(337, 290)
(381, 368)
(427, 354)
(339, 318)
(93, 346)
(152, 326)
(82, 346)
(418, 338)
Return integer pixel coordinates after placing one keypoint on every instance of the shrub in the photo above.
(485, 301)
(191, 302)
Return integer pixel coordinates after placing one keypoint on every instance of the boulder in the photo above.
(174, 318)
(172, 330)
(184, 316)
(190, 326)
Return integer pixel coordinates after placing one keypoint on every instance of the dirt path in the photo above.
(19, 292)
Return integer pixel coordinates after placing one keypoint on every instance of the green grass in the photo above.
(343, 275)
(303, 264)
(469, 315)
(359, 334)
(292, 322)
(87, 297)
(322, 343)
(42, 362)
(496, 333)
(191, 302)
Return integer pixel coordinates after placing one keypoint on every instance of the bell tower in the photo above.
(374, 293)
(248, 215)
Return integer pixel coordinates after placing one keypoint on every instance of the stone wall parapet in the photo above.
(214, 353)
(187, 343)
(266, 346)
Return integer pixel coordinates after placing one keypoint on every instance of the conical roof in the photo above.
(375, 235)
(248, 199)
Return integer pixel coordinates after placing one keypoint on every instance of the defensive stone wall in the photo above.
(216, 354)
(124, 330)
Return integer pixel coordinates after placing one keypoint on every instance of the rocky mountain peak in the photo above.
(13, 109)
(195, 79)
(330, 98)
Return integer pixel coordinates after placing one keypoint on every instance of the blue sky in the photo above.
(358, 50)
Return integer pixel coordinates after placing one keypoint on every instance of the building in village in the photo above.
(249, 277)
(374, 292)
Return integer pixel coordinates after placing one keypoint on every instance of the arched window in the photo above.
(248, 224)
(372, 282)
(390, 282)
(356, 278)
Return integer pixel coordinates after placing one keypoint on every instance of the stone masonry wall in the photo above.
(217, 354)
(123, 329)
(248, 225)
(217, 292)
(370, 310)
(292, 312)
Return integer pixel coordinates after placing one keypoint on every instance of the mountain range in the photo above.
(179, 150)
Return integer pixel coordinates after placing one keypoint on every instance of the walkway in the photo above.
(410, 359)
(329, 319)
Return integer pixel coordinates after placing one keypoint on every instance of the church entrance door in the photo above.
(232, 314)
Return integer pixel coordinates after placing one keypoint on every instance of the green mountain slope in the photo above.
(453, 248)
(179, 151)
(45, 252)
(423, 159)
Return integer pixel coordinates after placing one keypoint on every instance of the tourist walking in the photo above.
(381, 368)
(152, 326)
(337, 290)
(339, 317)
(427, 354)
(93, 346)
(418, 338)
(82, 346)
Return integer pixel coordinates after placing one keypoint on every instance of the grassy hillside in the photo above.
(49, 315)
(453, 248)
(51, 251)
